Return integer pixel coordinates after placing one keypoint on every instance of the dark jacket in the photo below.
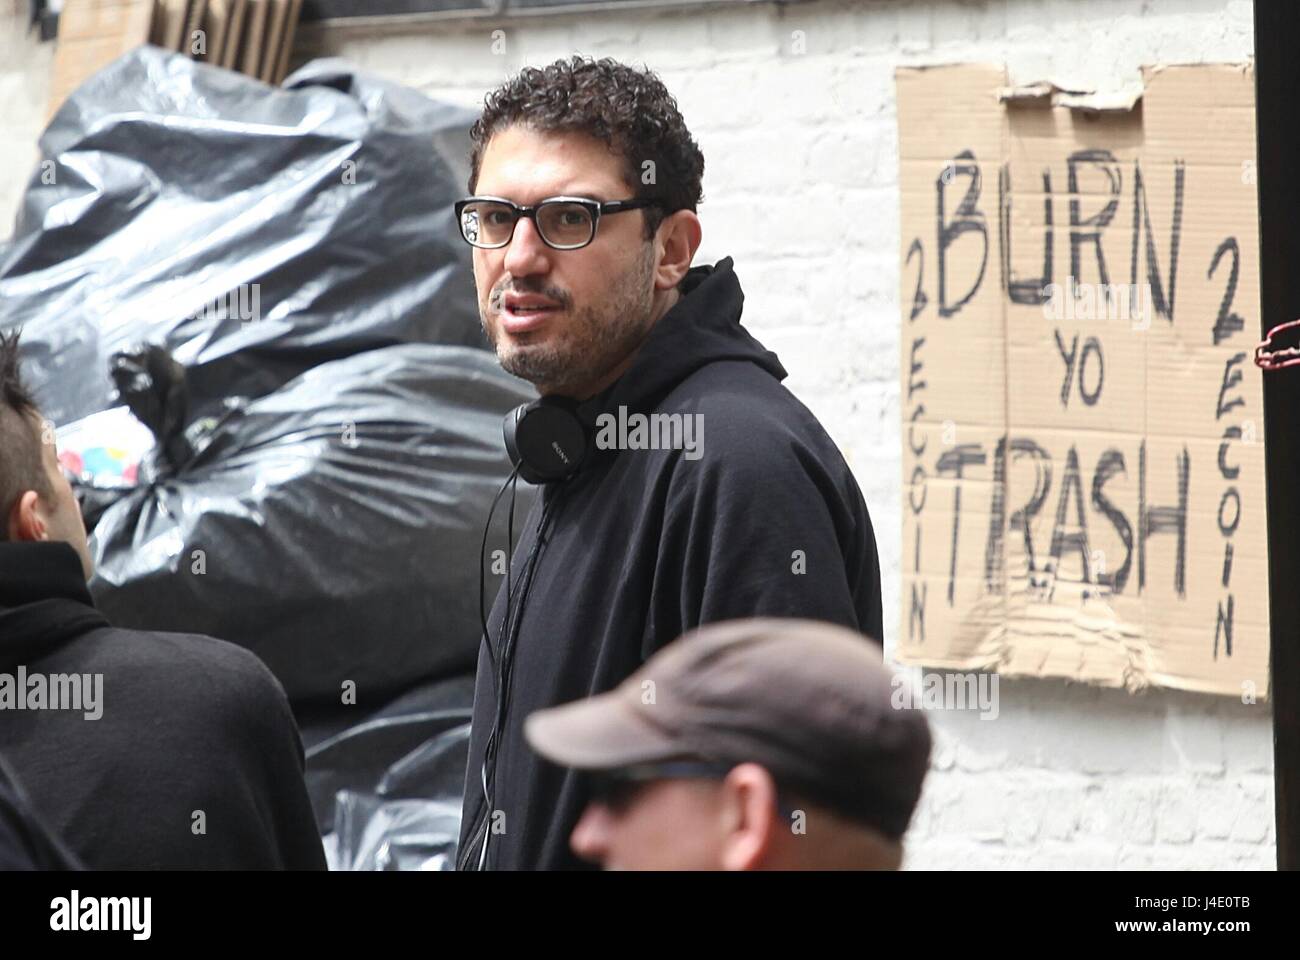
(25, 842)
(643, 545)
(194, 761)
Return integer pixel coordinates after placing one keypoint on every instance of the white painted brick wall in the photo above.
(1067, 776)
(24, 89)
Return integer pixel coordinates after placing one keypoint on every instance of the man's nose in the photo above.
(590, 838)
(526, 254)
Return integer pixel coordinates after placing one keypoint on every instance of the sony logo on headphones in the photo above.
(559, 451)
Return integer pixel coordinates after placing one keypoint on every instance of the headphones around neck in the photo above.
(546, 439)
(547, 442)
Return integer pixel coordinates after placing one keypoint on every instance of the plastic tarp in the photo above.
(333, 527)
(254, 232)
(386, 785)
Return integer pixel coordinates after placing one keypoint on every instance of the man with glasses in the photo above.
(767, 744)
(584, 186)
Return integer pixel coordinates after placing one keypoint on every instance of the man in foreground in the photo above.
(754, 744)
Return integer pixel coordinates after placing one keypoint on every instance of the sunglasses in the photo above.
(618, 788)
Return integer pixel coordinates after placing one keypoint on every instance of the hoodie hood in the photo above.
(702, 327)
(44, 601)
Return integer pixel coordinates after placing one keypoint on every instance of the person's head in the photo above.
(754, 744)
(593, 129)
(36, 500)
(698, 816)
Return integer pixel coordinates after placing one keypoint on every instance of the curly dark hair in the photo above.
(628, 109)
(21, 464)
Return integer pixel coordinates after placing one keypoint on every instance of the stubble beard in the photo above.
(592, 341)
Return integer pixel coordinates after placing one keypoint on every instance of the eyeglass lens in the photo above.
(560, 224)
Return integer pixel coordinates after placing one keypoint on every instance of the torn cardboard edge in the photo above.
(1049, 93)
(1046, 93)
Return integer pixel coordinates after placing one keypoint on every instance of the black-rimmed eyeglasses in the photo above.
(563, 223)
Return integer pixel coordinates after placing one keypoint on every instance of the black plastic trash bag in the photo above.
(378, 834)
(252, 231)
(387, 788)
(333, 527)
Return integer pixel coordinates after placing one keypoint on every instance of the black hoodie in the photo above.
(186, 724)
(763, 519)
(25, 842)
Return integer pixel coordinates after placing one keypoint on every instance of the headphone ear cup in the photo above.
(510, 426)
(546, 440)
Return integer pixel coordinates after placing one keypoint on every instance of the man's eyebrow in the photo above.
(579, 191)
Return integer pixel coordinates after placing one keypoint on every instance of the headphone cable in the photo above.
(482, 561)
(502, 666)
(511, 623)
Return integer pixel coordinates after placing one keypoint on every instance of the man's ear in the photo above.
(681, 234)
(750, 797)
(25, 522)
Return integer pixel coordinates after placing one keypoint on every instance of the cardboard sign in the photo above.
(1083, 460)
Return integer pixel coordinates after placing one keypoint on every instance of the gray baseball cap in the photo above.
(811, 702)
